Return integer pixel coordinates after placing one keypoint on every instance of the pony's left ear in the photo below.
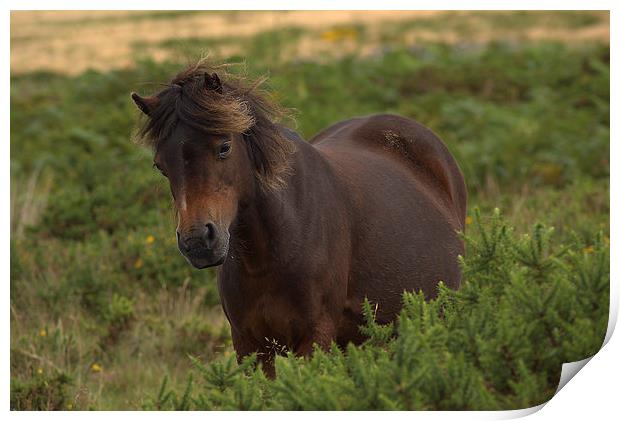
(145, 104)
(212, 82)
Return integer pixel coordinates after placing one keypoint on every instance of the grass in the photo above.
(134, 16)
(102, 305)
(504, 20)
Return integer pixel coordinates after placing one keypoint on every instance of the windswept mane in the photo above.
(209, 99)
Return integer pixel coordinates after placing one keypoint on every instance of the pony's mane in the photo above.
(239, 106)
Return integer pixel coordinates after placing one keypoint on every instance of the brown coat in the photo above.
(372, 209)
(303, 231)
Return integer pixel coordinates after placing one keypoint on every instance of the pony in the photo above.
(302, 231)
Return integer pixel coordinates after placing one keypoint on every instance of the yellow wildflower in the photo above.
(469, 220)
(39, 370)
(589, 249)
(96, 368)
(337, 34)
(42, 333)
(138, 263)
(150, 239)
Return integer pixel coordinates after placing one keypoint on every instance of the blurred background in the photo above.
(102, 304)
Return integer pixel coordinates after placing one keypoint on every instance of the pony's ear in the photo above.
(145, 104)
(213, 82)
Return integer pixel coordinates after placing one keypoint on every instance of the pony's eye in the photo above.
(224, 150)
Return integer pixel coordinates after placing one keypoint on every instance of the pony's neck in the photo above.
(269, 231)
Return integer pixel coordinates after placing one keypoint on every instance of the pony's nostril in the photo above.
(210, 231)
(210, 234)
(197, 238)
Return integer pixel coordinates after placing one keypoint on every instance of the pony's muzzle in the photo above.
(204, 246)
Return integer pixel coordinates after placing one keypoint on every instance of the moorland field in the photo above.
(106, 314)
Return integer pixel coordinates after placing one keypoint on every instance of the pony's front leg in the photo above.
(322, 334)
(244, 347)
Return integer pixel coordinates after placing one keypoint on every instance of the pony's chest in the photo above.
(263, 309)
(275, 317)
(268, 319)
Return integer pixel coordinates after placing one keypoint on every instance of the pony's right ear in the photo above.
(145, 104)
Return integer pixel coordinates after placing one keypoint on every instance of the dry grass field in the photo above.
(73, 41)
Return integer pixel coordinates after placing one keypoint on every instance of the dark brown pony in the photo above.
(303, 231)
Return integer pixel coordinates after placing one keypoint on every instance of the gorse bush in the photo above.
(41, 392)
(526, 306)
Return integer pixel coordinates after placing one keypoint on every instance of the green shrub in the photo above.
(526, 306)
(42, 392)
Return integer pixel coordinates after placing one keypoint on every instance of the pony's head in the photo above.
(217, 142)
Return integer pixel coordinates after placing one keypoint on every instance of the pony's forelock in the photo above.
(239, 107)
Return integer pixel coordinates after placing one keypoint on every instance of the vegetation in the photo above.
(497, 343)
(105, 314)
